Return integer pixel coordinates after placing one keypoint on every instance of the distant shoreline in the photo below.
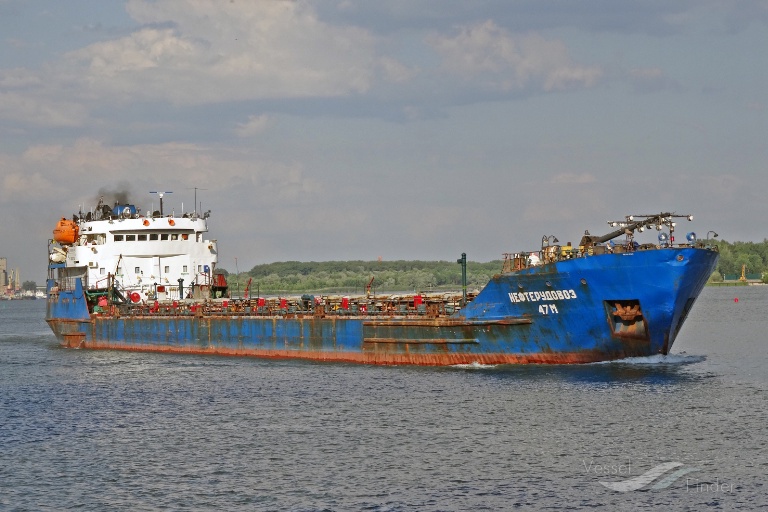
(736, 283)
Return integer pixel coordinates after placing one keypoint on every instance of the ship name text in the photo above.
(538, 296)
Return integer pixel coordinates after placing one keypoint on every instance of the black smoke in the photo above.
(121, 194)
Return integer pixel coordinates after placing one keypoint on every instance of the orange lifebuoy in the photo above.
(171, 222)
(135, 297)
(146, 222)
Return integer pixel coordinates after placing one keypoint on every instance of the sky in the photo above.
(344, 130)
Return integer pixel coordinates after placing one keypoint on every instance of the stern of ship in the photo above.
(67, 310)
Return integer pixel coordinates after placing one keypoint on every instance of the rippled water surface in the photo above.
(98, 430)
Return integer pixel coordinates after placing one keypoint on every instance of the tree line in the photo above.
(752, 255)
(414, 275)
(355, 276)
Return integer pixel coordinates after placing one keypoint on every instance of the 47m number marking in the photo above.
(548, 309)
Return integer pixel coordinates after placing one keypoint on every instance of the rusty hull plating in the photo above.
(577, 305)
(577, 311)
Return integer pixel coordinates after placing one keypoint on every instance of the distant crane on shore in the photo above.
(14, 280)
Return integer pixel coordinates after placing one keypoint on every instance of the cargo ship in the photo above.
(119, 279)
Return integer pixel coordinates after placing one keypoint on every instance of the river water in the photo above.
(100, 430)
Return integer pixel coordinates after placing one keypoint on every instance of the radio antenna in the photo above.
(201, 208)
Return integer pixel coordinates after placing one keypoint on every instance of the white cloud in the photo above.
(18, 78)
(88, 164)
(40, 110)
(26, 186)
(487, 53)
(395, 71)
(571, 178)
(646, 73)
(254, 126)
(218, 52)
(650, 80)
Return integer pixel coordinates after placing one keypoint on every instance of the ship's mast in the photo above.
(160, 194)
(201, 208)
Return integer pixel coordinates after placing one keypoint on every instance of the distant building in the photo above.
(3, 272)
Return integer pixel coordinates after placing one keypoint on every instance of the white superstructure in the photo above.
(146, 257)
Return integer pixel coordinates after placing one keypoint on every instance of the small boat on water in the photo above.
(120, 279)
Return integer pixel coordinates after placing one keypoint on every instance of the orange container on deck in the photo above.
(65, 231)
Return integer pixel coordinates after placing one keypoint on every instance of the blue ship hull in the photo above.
(578, 310)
